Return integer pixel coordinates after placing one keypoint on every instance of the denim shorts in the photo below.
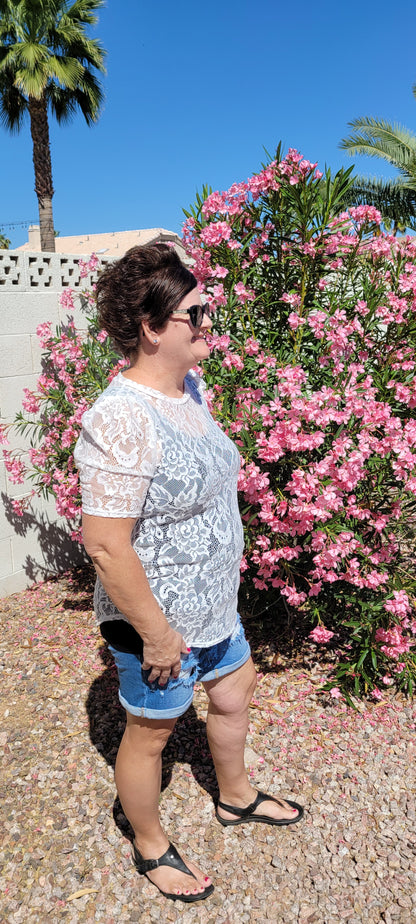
(151, 701)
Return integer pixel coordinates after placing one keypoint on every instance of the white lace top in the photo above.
(165, 461)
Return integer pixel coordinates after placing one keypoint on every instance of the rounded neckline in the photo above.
(146, 389)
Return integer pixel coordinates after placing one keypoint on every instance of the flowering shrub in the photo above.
(312, 374)
(76, 368)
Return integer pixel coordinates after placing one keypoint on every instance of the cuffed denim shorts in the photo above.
(151, 701)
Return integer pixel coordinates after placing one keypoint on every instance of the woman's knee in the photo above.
(232, 694)
(148, 736)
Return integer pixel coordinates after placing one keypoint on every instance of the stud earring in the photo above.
(156, 341)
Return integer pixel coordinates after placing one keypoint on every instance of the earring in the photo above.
(156, 341)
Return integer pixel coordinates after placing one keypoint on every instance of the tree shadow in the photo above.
(80, 587)
(187, 743)
(57, 551)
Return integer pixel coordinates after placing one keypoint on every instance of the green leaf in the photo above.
(362, 658)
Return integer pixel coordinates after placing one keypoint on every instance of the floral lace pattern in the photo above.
(165, 461)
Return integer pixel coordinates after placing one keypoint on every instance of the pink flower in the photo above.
(232, 360)
(335, 692)
(44, 333)
(220, 271)
(14, 467)
(30, 402)
(219, 343)
(219, 297)
(320, 634)
(122, 363)
(251, 346)
(295, 321)
(292, 298)
(243, 294)
(395, 643)
(3, 437)
(214, 203)
(365, 213)
(293, 596)
(315, 589)
(66, 300)
(399, 605)
(376, 693)
(216, 232)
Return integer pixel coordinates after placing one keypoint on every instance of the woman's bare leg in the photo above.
(138, 775)
(227, 725)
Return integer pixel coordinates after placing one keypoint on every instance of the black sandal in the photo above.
(247, 814)
(170, 858)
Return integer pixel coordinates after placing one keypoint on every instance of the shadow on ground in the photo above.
(277, 642)
(187, 743)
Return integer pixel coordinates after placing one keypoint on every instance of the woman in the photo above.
(161, 524)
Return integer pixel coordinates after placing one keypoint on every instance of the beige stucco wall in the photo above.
(37, 545)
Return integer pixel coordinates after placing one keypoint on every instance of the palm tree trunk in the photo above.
(39, 129)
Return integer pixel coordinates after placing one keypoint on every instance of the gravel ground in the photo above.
(66, 850)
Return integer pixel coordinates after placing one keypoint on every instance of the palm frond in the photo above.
(88, 97)
(395, 201)
(89, 52)
(29, 55)
(84, 11)
(67, 70)
(13, 105)
(378, 138)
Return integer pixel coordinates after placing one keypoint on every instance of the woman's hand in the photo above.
(162, 656)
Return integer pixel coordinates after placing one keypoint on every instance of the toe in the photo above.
(180, 883)
(277, 808)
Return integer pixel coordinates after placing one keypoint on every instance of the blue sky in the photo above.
(195, 92)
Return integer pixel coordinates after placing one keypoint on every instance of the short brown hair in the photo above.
(147, 284)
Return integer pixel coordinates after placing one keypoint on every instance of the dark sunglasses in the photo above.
(195, 312)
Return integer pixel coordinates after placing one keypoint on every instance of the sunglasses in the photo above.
(195, 312)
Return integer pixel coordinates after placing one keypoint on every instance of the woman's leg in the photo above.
(138, 776)
(227, 725)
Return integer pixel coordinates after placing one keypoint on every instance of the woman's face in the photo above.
(182, 343)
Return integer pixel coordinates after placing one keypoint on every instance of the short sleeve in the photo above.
(116, 455)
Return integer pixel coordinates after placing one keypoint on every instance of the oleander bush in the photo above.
(312, 375)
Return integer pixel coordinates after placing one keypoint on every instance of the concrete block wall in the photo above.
(37, 545)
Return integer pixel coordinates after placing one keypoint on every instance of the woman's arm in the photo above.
(108, 542)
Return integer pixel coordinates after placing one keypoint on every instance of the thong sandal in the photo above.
(173, 859)
(247, 814)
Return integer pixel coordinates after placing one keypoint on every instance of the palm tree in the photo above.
(47, 62)
(396, 145)
(4, 242)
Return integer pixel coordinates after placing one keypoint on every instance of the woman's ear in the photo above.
(149, 333)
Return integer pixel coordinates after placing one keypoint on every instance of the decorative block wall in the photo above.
(37, 545)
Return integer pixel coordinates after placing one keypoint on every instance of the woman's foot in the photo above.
(258, 807)
(173, 877)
